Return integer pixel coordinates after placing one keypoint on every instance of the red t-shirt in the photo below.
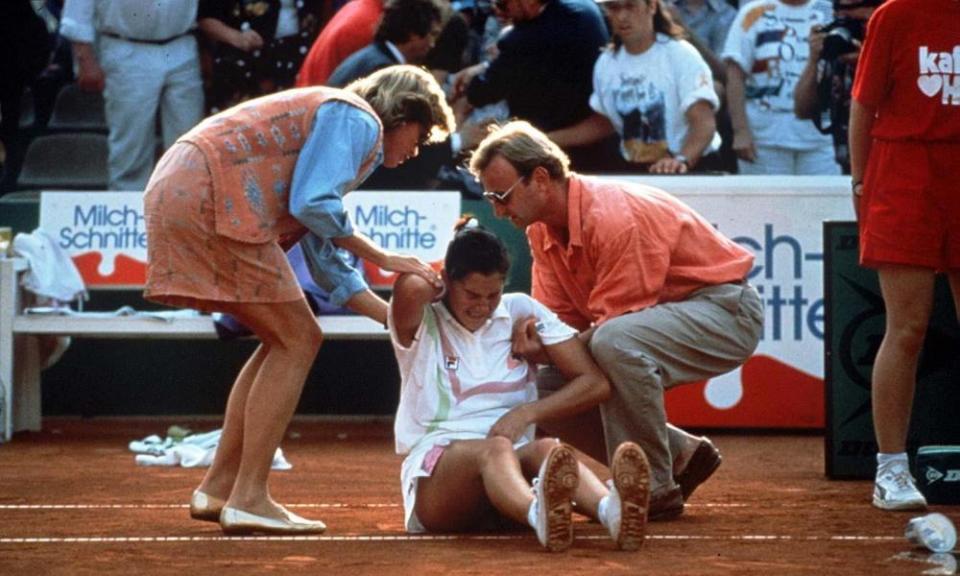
(909, 70)
(350, 29)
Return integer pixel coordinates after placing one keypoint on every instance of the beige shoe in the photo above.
(205, 507)
(234, 521)
(553, 489)
(630, 496)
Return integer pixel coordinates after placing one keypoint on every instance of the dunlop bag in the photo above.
(938, 470)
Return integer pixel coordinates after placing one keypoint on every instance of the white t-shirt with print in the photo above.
(769, 40)
(646, 96)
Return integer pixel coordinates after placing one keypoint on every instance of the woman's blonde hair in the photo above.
(405, 93)
(524, 147)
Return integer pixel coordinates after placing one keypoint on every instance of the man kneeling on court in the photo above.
(657, 292)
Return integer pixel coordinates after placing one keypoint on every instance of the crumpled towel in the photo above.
(52, 273)
(193, 451)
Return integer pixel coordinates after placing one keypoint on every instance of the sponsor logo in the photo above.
(940, 75)
(934, 475)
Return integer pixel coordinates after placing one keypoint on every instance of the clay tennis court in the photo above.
(72, 501)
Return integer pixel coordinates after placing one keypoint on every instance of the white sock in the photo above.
(602, 511)
(532, 514)
(884, 461)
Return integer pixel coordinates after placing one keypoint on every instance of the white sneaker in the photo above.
(553, 490)
(895, 490)
(629, 496)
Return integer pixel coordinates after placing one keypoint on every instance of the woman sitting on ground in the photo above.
(468, 409)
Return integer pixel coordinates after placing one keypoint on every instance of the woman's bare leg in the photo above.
(262, 403)
(471, 477)
(908, 296)
(218, 482)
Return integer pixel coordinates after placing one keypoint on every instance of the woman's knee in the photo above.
(907, 336)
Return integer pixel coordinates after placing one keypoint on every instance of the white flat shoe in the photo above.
(234, 521)
(205, 507)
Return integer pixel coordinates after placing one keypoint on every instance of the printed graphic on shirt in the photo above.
(940, 75)
(780, 51)
(640, 105)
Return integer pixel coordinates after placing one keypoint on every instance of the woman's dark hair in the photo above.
(475, 249)
(662, 24)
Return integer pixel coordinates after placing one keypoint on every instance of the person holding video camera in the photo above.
(823, 90)
(765, 53)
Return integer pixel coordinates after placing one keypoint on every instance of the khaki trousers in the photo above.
(645, 353)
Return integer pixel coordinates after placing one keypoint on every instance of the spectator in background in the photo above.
(25, 49)
(659, 295)
(143, 56)
(654, 90)
(543, 68)
(904, 147)
(257, 46)
(350, 29)
(766, 51)
(224, 204)
(823, 90)
(406, 33)
(709, 20)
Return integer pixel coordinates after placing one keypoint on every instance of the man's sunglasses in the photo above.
(501, 197)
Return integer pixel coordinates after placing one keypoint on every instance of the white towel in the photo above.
(52, 272)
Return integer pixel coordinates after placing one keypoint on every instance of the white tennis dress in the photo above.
(455, 384)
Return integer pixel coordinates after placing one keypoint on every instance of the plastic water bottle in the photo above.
(933, 531)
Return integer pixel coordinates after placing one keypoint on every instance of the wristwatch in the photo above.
(854, 184)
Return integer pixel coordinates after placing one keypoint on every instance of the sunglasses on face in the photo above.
(501, 197)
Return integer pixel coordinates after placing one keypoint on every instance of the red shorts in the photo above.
(910, 208)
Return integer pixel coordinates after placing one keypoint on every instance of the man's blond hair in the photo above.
(524, 147)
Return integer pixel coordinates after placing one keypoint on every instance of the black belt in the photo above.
(136, 41)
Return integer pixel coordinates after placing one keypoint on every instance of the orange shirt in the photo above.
(630, 247)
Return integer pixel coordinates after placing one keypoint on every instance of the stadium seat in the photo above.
(67, 161)
(27, 111)
(77, 111)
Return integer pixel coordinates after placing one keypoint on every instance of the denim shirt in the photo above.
(327, 165)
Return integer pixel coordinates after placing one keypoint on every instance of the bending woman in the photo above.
(223, 205)
(468, 410)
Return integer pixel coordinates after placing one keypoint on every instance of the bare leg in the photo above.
(589, 491)
(908, 296)
(263, 401)
(222, 473)
(472, 476)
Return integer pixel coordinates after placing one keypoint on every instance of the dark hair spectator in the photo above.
(401, 18)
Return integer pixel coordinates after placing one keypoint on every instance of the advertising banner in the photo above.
(779, 219)
(416, 223)
(104, 232)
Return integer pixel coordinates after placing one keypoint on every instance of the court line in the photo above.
(427, 538)
(334, 505)
(166, 506)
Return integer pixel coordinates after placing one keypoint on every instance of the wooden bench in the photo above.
(20, 355)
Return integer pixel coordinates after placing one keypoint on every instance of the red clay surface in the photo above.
(72, 501)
